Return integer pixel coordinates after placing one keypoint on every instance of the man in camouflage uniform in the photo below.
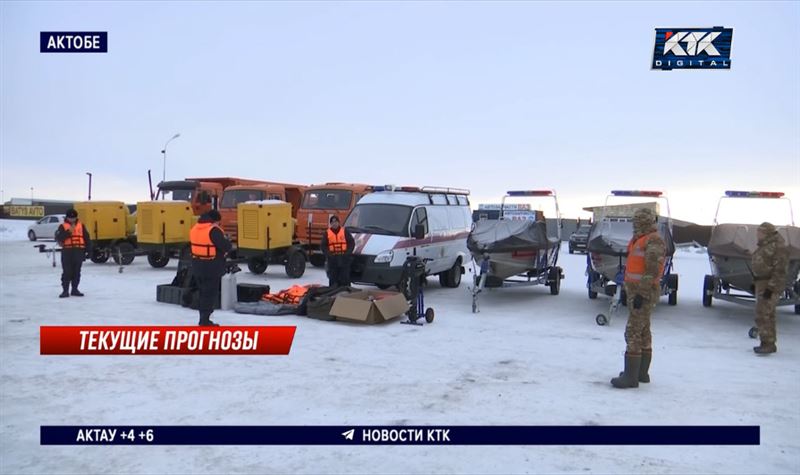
(770, 261)
(643, 271)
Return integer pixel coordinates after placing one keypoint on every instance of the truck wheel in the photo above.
(157, 260)
(295, 264)
(123, 253)
(98, 256)
(257, 265)
(555, 280)
(708, 290)
(317, 260)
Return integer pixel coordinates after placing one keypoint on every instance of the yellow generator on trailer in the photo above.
(266, 236)
(162, 229)
(112, 229)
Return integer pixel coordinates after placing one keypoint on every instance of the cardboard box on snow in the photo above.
(369, 306)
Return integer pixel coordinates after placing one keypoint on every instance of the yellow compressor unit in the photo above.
(266, 236)
(162, 229)
(111, 228)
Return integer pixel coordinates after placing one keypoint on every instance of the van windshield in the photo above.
(386, 219)
(327, 199)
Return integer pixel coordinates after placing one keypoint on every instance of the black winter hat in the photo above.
(71, 213)
(333, 218)
(214, 215)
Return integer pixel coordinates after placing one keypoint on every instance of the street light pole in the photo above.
(90, 185)
(31, 195)
(164, 152)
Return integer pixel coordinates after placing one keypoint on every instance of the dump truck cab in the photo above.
(320, 202)
(238, 194)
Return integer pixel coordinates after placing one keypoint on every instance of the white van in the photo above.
(384, 224)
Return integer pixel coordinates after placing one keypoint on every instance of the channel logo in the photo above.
(692, 48)
(73, 42)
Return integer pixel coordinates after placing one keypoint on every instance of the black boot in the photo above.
(644, 375)
(65, 292)
(76, 292)
(205, 320)
(629, 377)
(765, 348)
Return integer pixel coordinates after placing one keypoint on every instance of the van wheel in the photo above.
(451, 278)
(257, 265)
(123, 253)
(295, 264)
(31, 235)
(157, 260)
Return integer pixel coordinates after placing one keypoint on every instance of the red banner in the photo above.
(165, 340)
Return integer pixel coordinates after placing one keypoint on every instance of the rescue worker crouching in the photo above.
(769, 267)
(209, 246)
(337, 246)
(643, 270)
(75, 244)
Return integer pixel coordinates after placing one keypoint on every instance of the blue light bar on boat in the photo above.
(531, 193)
(635, 193)
(753, 194)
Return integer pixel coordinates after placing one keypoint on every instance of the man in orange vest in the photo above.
(209, 246)
(337, 245)
(643, 270)
(75, 243)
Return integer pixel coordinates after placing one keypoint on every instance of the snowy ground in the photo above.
(527, 358)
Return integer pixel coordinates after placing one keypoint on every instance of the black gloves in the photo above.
(638, 300)
(767, 294)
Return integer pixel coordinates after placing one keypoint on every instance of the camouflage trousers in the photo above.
(637, 331)
(765, 314)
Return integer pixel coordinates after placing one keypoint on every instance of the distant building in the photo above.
(26, 208)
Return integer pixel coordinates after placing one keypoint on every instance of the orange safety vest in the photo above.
(203, 247)
(337, 243)
(76, 239)
(292, 296)
(635, 265)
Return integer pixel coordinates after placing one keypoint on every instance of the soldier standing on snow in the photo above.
(643, 270)
(770, 261)
(75, 242)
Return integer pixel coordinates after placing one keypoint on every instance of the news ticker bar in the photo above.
(165, 340)
(400, 435)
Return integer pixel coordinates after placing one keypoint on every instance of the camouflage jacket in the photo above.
(770, 262)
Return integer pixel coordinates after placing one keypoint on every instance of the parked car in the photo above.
(45, 228)
(578, 239)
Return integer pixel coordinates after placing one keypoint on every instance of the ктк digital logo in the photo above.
(693, 48)
(73, 42)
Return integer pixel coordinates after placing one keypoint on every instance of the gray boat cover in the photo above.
(612, 237)
(509, 235)
(740, 240)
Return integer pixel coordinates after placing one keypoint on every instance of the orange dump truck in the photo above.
(320, 202)
(256, 191)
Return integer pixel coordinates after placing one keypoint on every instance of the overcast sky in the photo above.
(485, 96)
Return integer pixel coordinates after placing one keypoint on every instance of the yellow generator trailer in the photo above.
(111, 227)
(266, 236)
(162, 229)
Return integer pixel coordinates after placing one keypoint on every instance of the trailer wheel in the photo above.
(753, 332)
(592, 294)
(708, 290)
(429, 314)
(673, 297)
(257, 265)
(601, 319)
(317, 260)
(295, 264)
(98, 256)
(123, 253)
(555, 280)
(157, 260)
